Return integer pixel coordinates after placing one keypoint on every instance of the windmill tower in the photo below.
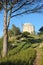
(27, 27)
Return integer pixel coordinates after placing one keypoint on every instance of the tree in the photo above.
(17, 7)
(14, 31)
(7, 5)
(41, 31)
(10, 33)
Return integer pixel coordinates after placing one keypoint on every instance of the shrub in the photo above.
(25, 34)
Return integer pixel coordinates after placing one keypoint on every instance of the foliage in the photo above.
(22, 58)
(17, 7)
(10, 33)
(25, 34)
(21, 54)
(40, 31)
(35, 45)
(14, 31)
(17, 49)
(0, 6)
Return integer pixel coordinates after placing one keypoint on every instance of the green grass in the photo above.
(24, 57)
(17, 49)
(35, 45)
(22, 53)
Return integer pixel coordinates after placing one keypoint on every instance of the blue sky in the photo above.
(36, 19)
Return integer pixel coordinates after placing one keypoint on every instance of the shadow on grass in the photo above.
(19, 62)
(28, 40)
(20, 48)
(33, 40)
(36, 40)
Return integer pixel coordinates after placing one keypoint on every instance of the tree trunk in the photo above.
(5, 40)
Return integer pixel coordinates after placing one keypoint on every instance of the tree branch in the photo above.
(23, 4)
(30, 11)
(12, 4)
(8, 21)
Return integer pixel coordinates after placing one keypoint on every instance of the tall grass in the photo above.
(24, 57)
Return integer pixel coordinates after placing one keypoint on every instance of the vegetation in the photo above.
(13, 8)
(14, 31)
(22, 49)
(40, 31)
(24, 57)
(40, 50)
(22, 52)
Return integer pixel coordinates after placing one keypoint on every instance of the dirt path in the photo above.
(36, 62)
(38, 55)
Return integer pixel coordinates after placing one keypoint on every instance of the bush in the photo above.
(25, 34)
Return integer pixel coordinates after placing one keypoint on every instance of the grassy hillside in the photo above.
(22, 54)
(21, 51)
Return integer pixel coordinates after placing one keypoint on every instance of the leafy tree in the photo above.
(10, 33)
(41, 31)
(14, 31)
(17, 7)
